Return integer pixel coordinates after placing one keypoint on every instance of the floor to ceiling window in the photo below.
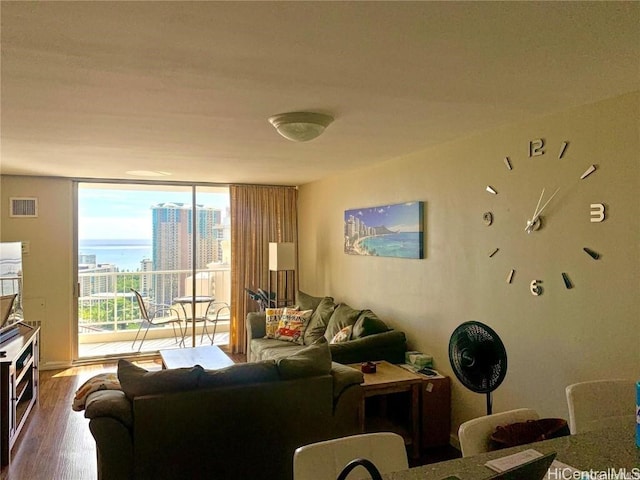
(146, 238)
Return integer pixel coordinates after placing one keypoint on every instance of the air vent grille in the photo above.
(23, 207)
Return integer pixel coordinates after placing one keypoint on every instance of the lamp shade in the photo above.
(300, 126)
(282, 256)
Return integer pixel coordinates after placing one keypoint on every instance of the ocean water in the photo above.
(125, 254)
(405, 245)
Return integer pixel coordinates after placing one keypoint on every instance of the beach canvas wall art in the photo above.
(385, 231)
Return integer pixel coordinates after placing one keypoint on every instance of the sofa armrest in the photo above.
(256, 325)
(111, 420)
(389, 346)
(344, 377)
(347, 399)
(109, 403)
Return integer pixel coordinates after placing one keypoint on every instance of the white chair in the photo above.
(325, 460)
(474, 435)
(600, 404)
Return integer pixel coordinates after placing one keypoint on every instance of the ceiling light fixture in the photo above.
(300, 126)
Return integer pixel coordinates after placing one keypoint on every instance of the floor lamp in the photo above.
(282, 258)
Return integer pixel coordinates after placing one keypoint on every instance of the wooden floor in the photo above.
(56, 444)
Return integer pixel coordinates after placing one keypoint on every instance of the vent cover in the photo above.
(23, 207)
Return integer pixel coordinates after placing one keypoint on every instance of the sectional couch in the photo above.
(240, 422)
(366, 337)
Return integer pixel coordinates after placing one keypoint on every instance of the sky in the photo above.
(119, 212)
(403, 217)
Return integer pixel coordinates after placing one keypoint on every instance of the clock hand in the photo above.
(530, 223)
(535, 212)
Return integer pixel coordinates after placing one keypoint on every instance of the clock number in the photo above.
(588, 172)
(597, 212)
(592, 253)
(507, 162)
(510, 276)
(536, 287)
(487, 218)
(563, 149)
(536, 147)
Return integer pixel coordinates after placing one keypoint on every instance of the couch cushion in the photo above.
(241, 373)
(343, 316)
(306, 302)
(368, 323)
(267, 348)
(292, 325)
(310, 361)
(136, 381)
(319, 320)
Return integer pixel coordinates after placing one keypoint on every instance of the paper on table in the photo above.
(510, 461)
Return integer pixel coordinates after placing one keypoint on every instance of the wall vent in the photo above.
(23, 207)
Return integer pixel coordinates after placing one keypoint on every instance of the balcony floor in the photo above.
(105, 349)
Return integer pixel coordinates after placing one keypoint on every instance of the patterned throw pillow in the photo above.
(292, 324)
(343, 335)
(273, 318)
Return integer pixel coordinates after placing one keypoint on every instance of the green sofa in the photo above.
(240, 422)
(368, 338)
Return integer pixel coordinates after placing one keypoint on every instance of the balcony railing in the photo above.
(106, 303)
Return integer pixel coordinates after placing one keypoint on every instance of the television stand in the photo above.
(18, 384)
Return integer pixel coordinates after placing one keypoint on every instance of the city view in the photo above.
(143, 240)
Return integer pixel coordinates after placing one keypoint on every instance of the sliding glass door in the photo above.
(169, 243)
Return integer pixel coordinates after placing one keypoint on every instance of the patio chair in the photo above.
(212, 315)
(156, 315)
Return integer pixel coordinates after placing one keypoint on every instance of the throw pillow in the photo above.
(342, 316)
(343, 335)
(310, 361)
(319, 320)
(292, 325)
(102, 381)
(273, 316)
(136, 381)
(368, 324)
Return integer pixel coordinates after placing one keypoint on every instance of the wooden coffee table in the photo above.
(209, 357)
(390, 378)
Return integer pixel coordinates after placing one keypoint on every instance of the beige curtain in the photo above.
(259, 215)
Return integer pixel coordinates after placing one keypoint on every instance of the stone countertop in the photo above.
(606, 449)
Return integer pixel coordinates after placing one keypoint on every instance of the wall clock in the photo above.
(549, 188)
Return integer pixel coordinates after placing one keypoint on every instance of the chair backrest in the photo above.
(599, 404)
(325, 460)
(143, 308)
(474, 435)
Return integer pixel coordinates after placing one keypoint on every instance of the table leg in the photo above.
(415, 421)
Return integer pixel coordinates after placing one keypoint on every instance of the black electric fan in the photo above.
(478, 358)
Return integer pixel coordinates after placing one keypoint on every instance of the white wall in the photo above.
(48, 268)
(558, 338)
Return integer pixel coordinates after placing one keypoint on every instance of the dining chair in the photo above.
(475, 434)
(326, 460)
(156, 315)
(599, 404)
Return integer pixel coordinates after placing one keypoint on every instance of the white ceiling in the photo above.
(94, 89)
